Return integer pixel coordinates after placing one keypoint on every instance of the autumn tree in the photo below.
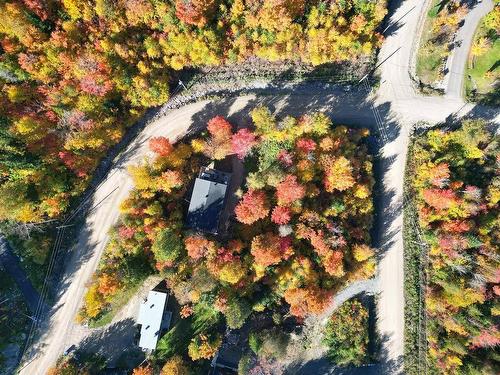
(175, 366)
(281, 215)
(204, 346)
(108, 284)
(253, 206)
(198, 246)
(269, 249)
(143, 370)
(195, 12)
(242, 142)
(338, 173)
(94, 302)
(346, 334)
(218, 145)
(305, 301)
(289, 191)
(160, 145)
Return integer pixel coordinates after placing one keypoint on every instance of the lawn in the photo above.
(177, 339)
(483, 70)
(430, 56)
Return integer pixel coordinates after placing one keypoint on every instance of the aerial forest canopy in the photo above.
(76, 73)
(301, 230)
(457, 185)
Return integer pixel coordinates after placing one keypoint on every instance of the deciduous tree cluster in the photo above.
(458, 184)
(294, 241)
(76, 73)
(346, 334)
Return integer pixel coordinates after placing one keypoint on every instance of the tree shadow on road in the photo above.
(479, 111)
(387, 364)
(111, 342)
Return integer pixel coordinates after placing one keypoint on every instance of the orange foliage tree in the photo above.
(253, 206)
(289, 191)
(269, 249)
(305, 301)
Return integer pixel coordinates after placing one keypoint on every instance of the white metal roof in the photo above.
(151, 317)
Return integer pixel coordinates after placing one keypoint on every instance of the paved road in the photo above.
(395, 102)
(454, 79)
(10, 263)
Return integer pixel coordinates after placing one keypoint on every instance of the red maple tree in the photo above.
(242, 142)
(160, 146)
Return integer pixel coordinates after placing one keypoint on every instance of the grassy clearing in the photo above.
(430, 55)
(440, 25)
(483, 71)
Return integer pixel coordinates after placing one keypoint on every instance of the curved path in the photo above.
(454, 79)
(395, 103)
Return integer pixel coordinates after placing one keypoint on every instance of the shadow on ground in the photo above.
(115, 343)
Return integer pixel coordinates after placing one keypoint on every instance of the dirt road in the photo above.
(454, 79)
(398, 107)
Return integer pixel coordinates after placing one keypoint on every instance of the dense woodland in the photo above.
(300, 231)
(76, 73)
(457, 182)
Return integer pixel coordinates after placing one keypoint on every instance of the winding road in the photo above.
(391, 111)
(454, 79)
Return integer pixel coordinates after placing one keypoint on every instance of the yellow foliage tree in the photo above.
(175, 366)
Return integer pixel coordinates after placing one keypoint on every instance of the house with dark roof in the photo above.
(207, 200)
(225, 361)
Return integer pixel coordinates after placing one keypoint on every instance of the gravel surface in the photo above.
(454, 79)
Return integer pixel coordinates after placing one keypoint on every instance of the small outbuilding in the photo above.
(153, 318)
(208, 200)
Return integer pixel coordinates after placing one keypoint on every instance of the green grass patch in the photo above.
(432, 52)
(434, 11)
(175, 341)
(429, 61)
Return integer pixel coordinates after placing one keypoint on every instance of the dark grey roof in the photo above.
(207, 200)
